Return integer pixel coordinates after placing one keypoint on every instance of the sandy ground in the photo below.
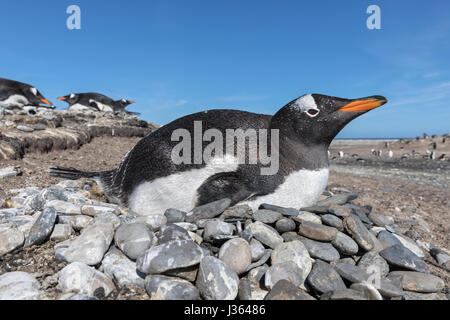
(398, 193)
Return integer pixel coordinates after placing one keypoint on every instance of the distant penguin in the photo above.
(16, 95)
(149, 181)
(390, 154)
(94, 101)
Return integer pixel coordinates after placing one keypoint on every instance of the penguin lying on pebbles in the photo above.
(148, 181)
(94, 101)
(16, 95)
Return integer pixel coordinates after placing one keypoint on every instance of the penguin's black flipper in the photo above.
(223, 185)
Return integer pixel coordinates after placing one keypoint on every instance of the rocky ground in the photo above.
(378, 233)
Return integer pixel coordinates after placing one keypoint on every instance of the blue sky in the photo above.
(178, 57)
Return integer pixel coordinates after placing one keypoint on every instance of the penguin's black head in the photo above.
(34, 97)
(319, 118)
(122, 103)
(70, 98)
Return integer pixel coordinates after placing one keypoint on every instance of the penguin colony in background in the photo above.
(18, 95)
(149, 182)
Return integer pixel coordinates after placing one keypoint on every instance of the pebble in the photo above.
(215, 228)
(344, 294)
(24, 128)
(64, 207)
(296, 252)
(79, 278)
(23, 223)
(256, 274)
(91, 210)
(359, 232)
(174, 215)
(265, 234)
(400, 256)
(154, 221)
(236, 254)
(42, 228)
(368, 290)
(261, 261)
(285, 225)
(267, 216)
(388, 239)
(106, 217)
(332, 221)
(338, 199)
(321, 250)
(284, 211)
(11, 171)
(187, 226)
(161, 287)
(345, 245)
(170, 232)
(285, 270)
(380, 220)
(90, 246)
(133, 239)
(244, 289)
(216, 281)
(11, 238)
(77, 222)
(19, 285)
(323, 278)
(423, 296)
(256, 250)
(373, 261)
(352, 273)
(410, 244)
(121, 269)
(290, 236)
(317, 231)
(419, 282)
(315, 209)
(286, 290)
(305, 216)
(340, 211)
(170, 255)
(208, 211)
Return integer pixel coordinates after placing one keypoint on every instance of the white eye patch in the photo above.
(72, 96)
(124, 101)
(307, 104)
(34, 91)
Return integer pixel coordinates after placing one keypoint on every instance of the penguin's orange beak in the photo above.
(46, 102)
(131, 102)
(62, 98)
(364, 104)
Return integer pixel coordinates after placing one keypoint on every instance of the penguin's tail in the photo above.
(73, 174)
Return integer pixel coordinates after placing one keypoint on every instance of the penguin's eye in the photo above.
(312, 112)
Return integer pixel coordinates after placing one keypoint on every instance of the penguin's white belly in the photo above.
(300, 189)
(79, 107)
(178, 191)
(15, 100)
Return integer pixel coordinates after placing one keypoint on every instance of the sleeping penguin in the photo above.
(148, 180)
(95, 101)
(16, 95)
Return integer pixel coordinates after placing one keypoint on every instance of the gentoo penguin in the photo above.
(16, 95)
(94, 101)
(149, 181)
